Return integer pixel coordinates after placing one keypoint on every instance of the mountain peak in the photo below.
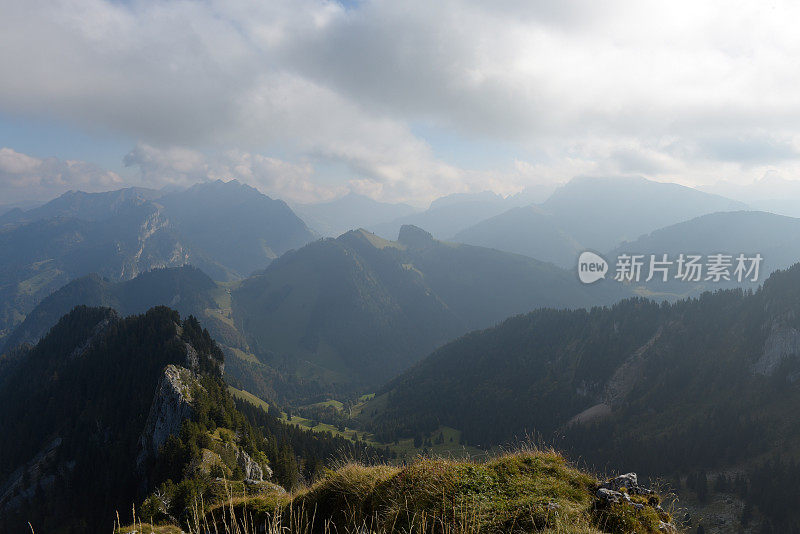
(223, 185)
(414, 236)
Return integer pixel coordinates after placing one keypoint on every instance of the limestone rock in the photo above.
(619, 490)
(192, 358)
(629, 481)
(171, 405)
(251, 469)
(611, 496)
(782, 342)
(23, 482)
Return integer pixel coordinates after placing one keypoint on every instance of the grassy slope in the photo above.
(450, 446)
(527, 491)
(299, 421)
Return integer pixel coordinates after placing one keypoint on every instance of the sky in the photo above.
(400, 101)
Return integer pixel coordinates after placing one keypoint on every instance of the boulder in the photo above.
(629, 481)
(251, 469)
(606, 496)
(618, 490)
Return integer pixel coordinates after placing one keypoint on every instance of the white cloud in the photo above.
(15, 165)
(183, 167)
(173, 166)
(25, 178)
(679, 90)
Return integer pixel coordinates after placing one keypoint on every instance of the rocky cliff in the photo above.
(171, 405)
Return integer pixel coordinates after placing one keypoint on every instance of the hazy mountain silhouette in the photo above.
(775, 237)
(528, 230)
(592, 213)
(350, 212)
(186, 289)
(448, 215)
(226, 229)
(235, 224)
(356, 309)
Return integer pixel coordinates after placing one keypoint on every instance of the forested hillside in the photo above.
(353, 311)
(105, 413)
(187, 289)
(703, 384)
(339, 315)
(775, 238)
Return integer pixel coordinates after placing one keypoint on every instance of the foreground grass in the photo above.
(527, 491)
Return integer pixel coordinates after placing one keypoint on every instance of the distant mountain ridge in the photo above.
(592, 213)
(234, 224)
(338, 314)
(186, 289)
(225, 228)
(447, 215)
(356, 309)
(84, 206)
(350, 212)
(775, 238)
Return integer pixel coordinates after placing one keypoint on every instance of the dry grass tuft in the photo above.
(523, 491)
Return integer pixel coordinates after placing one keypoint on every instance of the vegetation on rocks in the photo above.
(524, 491)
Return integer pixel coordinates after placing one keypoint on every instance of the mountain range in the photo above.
(137, 432)
(227, 229)
(776, 238)
(449, 214)
(592, 213)
(769, 193)
(350, 212)
(467, 343)
(357, 309)
(338, 314)
(186, 289)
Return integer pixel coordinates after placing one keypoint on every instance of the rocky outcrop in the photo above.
(171, 405)
(151, 243)
(626, 376)
(251, 469)
(619, 385)
(415, 237)
(192, 358)
(625, 490)
(95, 335)
(25, 480)
(193, 361)
(782, 342)
(629, 481)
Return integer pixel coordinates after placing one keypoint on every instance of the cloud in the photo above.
(750, 149)
(171, 166)
(271, 175)
(183, 167)
(298, 182)
(664, 89)
(26, 178)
